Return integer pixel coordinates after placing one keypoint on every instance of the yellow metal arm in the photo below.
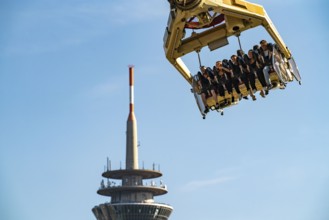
(239, 16)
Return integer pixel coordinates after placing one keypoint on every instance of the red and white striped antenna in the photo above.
(131, 88)
(132, 152)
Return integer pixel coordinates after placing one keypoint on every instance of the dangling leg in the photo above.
(245, 81)
(214, 96)
(236, 82)
(252, 81)
(204, 100)
(230, 89)
(266, 72)
(221, 91)
(261, 78)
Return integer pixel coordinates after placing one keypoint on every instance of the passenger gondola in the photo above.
(215, 22)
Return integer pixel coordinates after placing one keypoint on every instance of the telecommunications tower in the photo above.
(132, 193)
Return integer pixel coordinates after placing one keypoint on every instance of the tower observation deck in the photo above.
(133, 199)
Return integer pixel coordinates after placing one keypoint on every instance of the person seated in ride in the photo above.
(255, 69)
(266, 53)
(207, 84)
(248, 77)
(220, 88)
(229, 75)
(261, 64)
(237, 73)
(224, 78)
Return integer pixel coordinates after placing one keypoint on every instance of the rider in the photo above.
(207, 84)
(260, 73)
(220, 81)
(265, 51)
(248, 77)
(237, 73)
(224, 78)
(230, 77)
(256, 70)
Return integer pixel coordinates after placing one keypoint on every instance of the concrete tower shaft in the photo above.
(131, 147)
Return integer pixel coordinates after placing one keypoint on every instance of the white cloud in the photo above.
(195, 185)
(104, 89)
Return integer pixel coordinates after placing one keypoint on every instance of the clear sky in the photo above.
(64, 105)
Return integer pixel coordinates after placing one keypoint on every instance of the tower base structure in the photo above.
(132, 211)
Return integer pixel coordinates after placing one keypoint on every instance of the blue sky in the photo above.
(64, 106)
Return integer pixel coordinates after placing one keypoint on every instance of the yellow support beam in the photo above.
(239, 16)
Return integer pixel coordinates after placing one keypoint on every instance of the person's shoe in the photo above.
(282, 86)
(217, 106)
(262, 94)
(245, 97)
(233, 99)
(240, 96)
(206, 110)
(266, 92)
(254, 98)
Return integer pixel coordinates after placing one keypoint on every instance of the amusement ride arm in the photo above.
(239, 16)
